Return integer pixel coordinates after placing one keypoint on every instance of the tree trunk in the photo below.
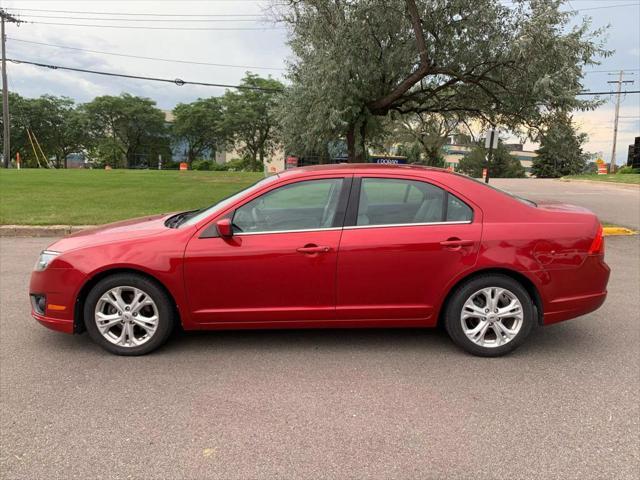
(361, 157)
(351, 144)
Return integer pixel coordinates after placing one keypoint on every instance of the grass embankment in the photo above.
(633, 178)
(92, 197)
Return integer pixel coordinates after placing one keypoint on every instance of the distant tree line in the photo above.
(121, 130)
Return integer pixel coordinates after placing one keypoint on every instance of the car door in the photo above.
(403, 242)
(280, 263)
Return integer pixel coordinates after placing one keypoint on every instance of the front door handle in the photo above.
(456, 243)
(311, 249)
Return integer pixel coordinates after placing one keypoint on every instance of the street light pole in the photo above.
(6, 132)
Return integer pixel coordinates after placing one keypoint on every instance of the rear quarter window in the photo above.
(457, 210)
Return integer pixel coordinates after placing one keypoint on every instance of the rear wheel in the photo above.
(128, 314)
(490, 315)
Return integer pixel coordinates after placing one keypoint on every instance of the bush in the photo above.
(218, 167)
(628, 169)
(244, 165)
(201, 165)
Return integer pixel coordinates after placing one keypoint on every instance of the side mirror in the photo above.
(224, 228)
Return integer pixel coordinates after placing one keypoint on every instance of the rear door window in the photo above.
(388, 201)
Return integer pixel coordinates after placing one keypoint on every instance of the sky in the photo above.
(259, 47)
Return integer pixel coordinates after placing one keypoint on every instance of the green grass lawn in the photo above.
(615, 178)
(91, 197)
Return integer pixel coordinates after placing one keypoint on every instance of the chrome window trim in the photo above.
(241, 234)
(386, 225)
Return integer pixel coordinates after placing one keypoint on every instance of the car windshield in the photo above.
(191, 218)
(526, 201)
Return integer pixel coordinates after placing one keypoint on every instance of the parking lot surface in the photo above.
(339, 404)
(613, 202)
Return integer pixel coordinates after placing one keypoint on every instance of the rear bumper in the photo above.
(567, 308)
(577, 291)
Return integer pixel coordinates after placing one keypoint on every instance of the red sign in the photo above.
(484, 173)
(184, 166)
(291, 162)
(602, 169)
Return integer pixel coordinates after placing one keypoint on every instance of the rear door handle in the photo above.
(456, 243)
(314, 249)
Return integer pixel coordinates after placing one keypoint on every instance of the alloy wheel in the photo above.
(492, 317)
(126, 316)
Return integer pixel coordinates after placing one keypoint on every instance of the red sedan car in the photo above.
(331, 246)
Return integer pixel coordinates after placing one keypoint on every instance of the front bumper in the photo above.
(60, 287)
(57, 324)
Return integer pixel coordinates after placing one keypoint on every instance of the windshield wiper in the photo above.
(176, 220)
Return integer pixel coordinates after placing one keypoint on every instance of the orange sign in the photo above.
(184, 166)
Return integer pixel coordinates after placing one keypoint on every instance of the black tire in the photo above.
(453, 312)
(165, 312)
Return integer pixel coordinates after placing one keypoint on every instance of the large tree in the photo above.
(132, 126)
(201, 126)
(560, 151)
(503, 164)
(250, 116)
(355, 61)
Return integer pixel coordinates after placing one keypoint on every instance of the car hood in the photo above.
(113, 232)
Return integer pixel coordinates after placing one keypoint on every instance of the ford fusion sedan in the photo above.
(326, 247)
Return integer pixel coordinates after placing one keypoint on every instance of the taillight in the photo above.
(597, 246)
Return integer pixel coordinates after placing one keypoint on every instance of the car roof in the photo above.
(361, 168)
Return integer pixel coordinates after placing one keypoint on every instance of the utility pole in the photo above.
(6, 134)
(490, 142)
(620, 81)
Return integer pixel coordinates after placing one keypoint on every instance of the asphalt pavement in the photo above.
(614, 203)
(336, 404)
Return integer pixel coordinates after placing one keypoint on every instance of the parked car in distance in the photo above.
(331, 246)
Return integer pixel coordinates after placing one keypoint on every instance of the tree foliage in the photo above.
(132, 126)
(560, 151)
(503, 164)
(200, 125)
(55, 122)
(430, 131)
(250, 116)
(356, 61)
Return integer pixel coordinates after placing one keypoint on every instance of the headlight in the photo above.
(44, 259)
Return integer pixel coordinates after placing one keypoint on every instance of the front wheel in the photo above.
(128, 314)
(490, 315)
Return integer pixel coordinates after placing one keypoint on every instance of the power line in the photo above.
(177, 81)
(608, 6)
(152, 28)
(614, 71)
(181, 82)
(608, 93)
(145, 58)
(173, 20)
(140, 14)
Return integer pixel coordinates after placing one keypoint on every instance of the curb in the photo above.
(617, 231)
(630, 186)
(40, 231)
